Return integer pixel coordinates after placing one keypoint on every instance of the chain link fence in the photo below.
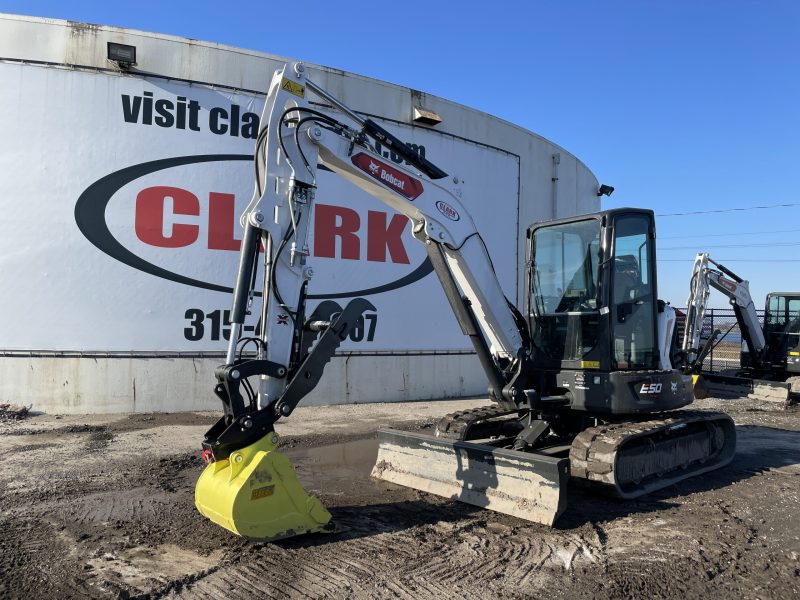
(727, 350)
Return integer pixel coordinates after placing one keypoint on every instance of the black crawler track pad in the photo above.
(633, 459)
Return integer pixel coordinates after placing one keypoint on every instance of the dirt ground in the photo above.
(102, 507)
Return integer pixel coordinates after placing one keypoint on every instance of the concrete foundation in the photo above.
(62, 384)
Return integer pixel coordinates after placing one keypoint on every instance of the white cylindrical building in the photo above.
(121, 190)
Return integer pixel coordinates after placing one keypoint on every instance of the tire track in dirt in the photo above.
(462, 569)
(35, 553)
(138, 503)
(483, 551)
(275, 577)
(317, 574)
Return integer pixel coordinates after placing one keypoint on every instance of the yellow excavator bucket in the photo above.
(699, 387)
(255, 493)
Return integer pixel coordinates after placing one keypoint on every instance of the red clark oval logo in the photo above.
(90, 217)
(392, 178)
(447, 210)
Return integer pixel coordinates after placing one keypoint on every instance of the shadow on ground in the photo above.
(354, 522)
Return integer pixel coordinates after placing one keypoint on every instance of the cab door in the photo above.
(633, 293)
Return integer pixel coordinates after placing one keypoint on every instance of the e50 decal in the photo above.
(650, 388)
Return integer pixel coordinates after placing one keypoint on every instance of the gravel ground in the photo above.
(102, 506)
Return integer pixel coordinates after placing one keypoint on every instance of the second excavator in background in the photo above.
(581, 379)
(769, 368)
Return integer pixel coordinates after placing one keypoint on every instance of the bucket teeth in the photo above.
(255, 493)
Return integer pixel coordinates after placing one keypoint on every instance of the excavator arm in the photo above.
(295, 140)
(737, 291)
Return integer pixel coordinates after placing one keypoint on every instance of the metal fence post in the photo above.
(711, 356)
(728, 354)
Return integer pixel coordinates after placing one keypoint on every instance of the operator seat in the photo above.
(626, 278)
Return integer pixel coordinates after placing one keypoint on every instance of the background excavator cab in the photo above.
(781, 331)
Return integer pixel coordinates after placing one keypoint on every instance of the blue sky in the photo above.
(682, 106)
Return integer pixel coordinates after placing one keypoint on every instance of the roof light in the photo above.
(605, 190)
(123, 54)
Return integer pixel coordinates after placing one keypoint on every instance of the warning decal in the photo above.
(293, 88)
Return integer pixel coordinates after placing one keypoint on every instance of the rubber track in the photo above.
(594, 451)
(455, 426)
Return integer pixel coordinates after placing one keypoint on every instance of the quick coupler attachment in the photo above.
(255, 493)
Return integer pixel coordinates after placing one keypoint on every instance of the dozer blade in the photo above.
(525, 485)
(255, 493)
(775, 394)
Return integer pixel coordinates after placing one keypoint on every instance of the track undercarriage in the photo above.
(625, 458)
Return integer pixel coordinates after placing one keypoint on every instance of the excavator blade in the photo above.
(529, 486)
(255, 493)
(775, 394)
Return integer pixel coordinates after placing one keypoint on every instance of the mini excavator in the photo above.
(581, 380)
(769, 369)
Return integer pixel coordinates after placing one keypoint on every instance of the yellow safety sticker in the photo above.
(293, 88)
(262, 492)
(590, 364)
